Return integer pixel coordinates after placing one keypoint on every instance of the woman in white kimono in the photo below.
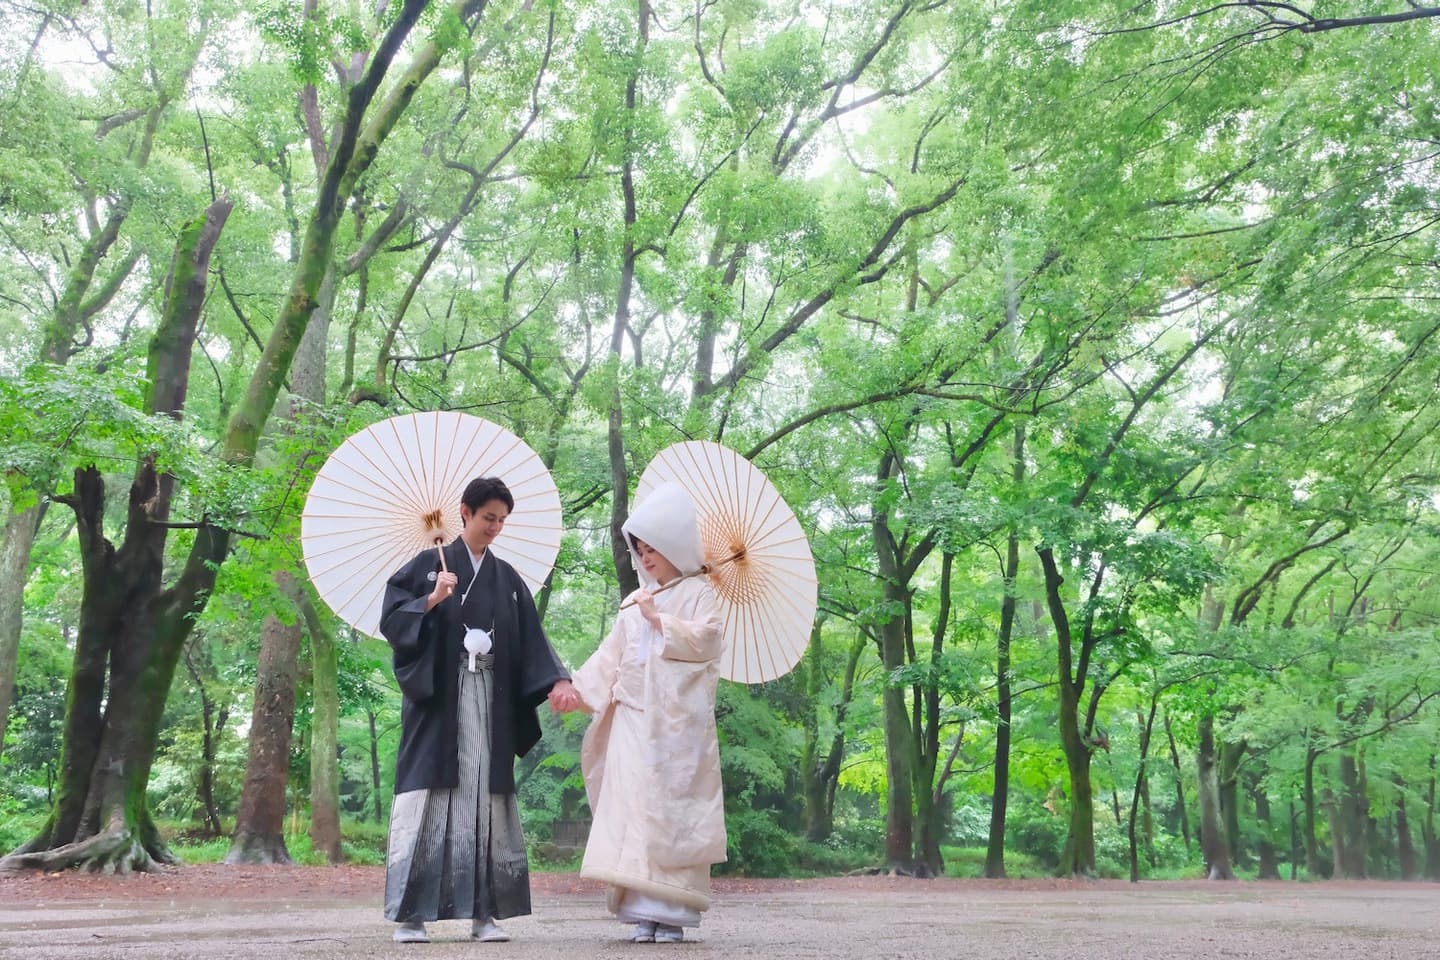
(650, 757)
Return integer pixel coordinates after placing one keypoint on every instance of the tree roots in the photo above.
(114, 851)
(262, 848)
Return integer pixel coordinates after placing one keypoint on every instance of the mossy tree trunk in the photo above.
(1078, 857)
(324, 729)
(1213, 842)
(130, 636)
(260, 822)
(901, 753)
(82, 297)
(100, 820)
(20, 527)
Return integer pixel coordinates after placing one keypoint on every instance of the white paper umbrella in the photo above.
(394, 488)
(758, 556)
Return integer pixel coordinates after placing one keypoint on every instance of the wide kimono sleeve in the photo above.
(540, 667)
(595, 680)
(413, 634)
(694, 633)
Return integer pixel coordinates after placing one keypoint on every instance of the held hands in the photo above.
(564, 698)
(444, 586)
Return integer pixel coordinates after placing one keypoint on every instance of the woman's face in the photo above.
(655, 563)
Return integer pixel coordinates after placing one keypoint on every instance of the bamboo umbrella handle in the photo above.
(707, 568)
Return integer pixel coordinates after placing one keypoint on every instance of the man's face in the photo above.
(484, 524)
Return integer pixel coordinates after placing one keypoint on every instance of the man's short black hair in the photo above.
(482, 490)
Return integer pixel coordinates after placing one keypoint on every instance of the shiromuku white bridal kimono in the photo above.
(651, 758)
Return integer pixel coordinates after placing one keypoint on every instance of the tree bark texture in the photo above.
(20, 528)
(1147, 728)
(1428, 833)
(1000, 793)
(116, 794)
(129, 641)
(1213, 843)
(899, 751)
(1182, 811)
(1351, 809)
(260, 823)
(1230, 793)
(1078, 857)
(324, 728)
(1269, 864)
(1404, 842)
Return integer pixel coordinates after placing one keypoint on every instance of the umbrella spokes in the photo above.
(385, 493)
(435, 529)
(756, 554)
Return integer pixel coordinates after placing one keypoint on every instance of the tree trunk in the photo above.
(899, 751)
(308, 383)
(1147, 807)
(1339, 853)
(213, 717)
(1428, 833)
(1314, 865)
(1078, 857)
(20, 529)
(1404, 844)
(1351, 813)
(933, 813)
(1146, 728)
(119, 783)
(1229, 787)
(100, 817)
(1213, 844)
(1269, 863)
(324, 748)
(931, 775)
(259, 835)
(811, 769)
(376, 789)
(79, 301)
(1180, 806)
(628, 578)
(1295, 850)
(1000, 792)
(260, 824)
(828, 777)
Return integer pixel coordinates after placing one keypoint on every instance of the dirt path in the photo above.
(223, 912)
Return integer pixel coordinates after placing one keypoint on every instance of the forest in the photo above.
(1095, 345)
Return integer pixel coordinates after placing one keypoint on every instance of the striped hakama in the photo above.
(459, 853)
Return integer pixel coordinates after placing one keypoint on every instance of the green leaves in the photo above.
(309, 42)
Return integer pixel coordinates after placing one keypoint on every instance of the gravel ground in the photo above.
(227, 912)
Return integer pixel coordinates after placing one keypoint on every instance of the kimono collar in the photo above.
(475, 559)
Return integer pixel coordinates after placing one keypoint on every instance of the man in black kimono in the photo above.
(473, 664)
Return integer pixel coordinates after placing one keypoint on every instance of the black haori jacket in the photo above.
(428, 649)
